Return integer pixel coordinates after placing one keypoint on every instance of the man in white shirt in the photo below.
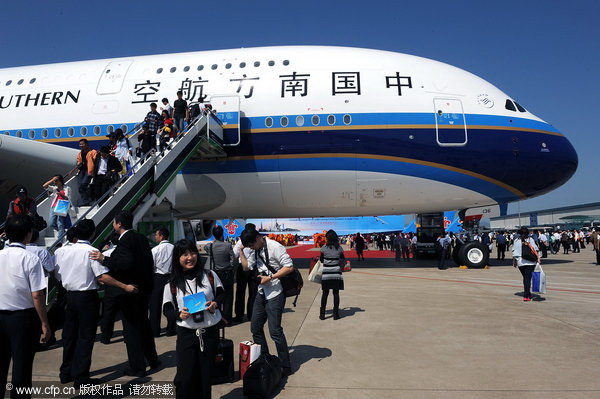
(163, 257)
(45, 256)
(269, 261)
(80, 276)
(444, 244)
(543, 238)
(22, 305)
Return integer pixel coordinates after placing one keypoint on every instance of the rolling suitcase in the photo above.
(223, 364)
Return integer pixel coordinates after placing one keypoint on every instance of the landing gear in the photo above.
(474, 255)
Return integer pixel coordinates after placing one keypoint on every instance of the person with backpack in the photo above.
(442, 244)
(22, 204)
(332, 257)
(525, 256)
(197, 333)
(269, 261)
(222, 261)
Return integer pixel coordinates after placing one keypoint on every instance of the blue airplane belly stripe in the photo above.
(494, 191)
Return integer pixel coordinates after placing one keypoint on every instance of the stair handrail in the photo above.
(146, 157)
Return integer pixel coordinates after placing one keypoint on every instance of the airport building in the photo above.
(568, 217)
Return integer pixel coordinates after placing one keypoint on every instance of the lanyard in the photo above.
(188, 285)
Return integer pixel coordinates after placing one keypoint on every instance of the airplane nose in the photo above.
(554, 160)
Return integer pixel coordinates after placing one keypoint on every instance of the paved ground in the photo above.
(409, 330)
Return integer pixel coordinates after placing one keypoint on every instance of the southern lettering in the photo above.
(39, 99)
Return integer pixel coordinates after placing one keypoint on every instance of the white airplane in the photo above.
(310, 131)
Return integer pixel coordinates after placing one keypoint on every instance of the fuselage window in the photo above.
(96, 130)
(173, 69)
(57, 132)
(32, 81)
(7, 133)
(331, 119)
(200, 67)
(315, 120)
(271, 63)
(347, 119)
(9, 82)
(227, 66)
(299, 120)
(187, 68)
(124, 128)
(20, 82)
(19, 133)
(32, 134)
(214, 66)
(269, 122)
(71, 132)
(159, 70)
(510, 106)
(256, 64)
(286, 62)
(284, 121)
(45, 133)
(242, 65)
(83, 131)
(110, 129)
(520, 108)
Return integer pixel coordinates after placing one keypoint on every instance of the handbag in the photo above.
(61, 208)
(316, 273)
(528, 253)
(291, 283)
(538, 280)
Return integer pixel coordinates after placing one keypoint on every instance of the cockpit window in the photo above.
(510, 105)
(520, 108)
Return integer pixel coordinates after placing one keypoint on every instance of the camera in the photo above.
(198, 317)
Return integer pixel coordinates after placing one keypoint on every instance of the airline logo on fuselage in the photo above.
(39, 99)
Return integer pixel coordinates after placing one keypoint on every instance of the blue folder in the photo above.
(195, 303)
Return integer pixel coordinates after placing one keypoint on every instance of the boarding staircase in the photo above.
(145, 184)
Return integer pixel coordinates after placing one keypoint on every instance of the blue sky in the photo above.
(544, 53)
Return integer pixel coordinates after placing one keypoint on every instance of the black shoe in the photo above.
(135, 373)
(322, 313)
(87, 381)
(336, 314)
(170, 333)
(105, 341)
(442, 268)
(155, 364)
(286, 372)
(238, 319)
(65, 379)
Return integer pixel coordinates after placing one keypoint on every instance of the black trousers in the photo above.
(102, 184)
(109, 313)
(244, 280)
(156, 299)
(336, 298)
(527, 272)
(194, 367)
(79, 333)
(136, 330)
(597, 257)
(19, 334)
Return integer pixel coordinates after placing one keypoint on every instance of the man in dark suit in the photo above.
(106, 169)
(131, 263)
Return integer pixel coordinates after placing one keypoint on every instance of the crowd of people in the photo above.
(142, 284)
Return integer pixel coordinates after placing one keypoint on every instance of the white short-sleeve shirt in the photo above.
(76, 270)
(22, 274)
(163, 255)
(210, 319)
(517, 251)
(278, 258)
(45, 256)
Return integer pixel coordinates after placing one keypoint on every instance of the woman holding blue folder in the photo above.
(197, 333)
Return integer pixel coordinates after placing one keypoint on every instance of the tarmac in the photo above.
(409, 330)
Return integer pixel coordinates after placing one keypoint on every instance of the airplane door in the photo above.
(113, 76)
(228, 111)
(450, 123)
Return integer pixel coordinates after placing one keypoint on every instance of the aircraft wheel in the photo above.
(474, 255)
